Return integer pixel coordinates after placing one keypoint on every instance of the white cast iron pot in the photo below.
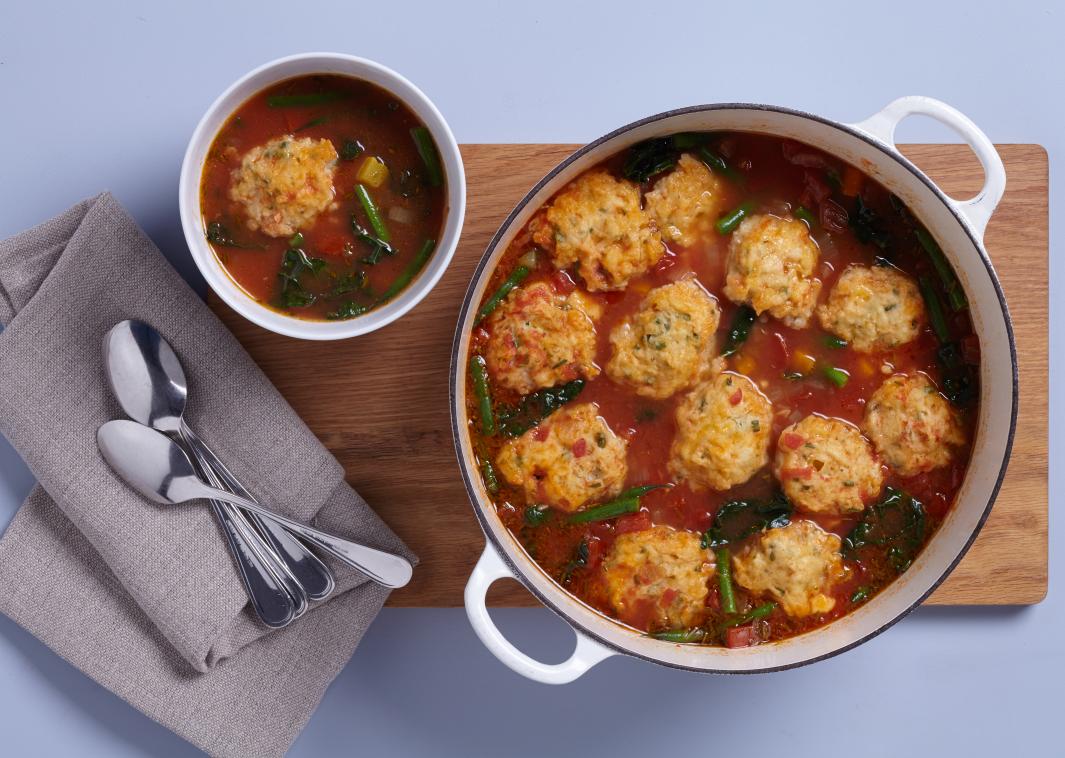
(958, 226)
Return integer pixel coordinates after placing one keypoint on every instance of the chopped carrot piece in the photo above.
(851, 183)
(745, 364)
(802, 362)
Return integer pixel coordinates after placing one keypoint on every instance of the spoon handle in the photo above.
(315, 577)
(384, 568)
(271, 600)
(269, 559)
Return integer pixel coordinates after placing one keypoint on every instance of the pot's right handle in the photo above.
(977, 211)
(587, 653)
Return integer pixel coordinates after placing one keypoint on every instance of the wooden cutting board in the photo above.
(380, 402)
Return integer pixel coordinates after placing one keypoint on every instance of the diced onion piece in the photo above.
(401, 214)
(373, 172)
(528, 260)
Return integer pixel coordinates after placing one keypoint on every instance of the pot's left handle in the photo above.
(587, 653)
(977, 210)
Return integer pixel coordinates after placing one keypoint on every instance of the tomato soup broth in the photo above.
(802, 371)
(364, 220)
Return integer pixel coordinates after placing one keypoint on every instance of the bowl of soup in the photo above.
(733, 388)
(322, 196)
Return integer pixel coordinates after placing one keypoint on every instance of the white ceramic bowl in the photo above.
(257, 80)
(959, 228)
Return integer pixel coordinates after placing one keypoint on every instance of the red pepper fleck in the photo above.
(540, 433)
(792, 440)
(562, 283)
(737, 396)
(797, 473)
(580, 448)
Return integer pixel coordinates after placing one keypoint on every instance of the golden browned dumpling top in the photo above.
(723, 429)
(686, 202)
(825, 465)
(772, 266)
(796, 565)
(912, 425)
(284, 184)
(873, 308)
(668, 342)
(597, 223)
(540, 338)
(571, 459)
(658, 578)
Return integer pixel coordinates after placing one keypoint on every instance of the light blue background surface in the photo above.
(105, 94)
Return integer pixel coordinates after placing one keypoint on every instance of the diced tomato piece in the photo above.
(792, 440)
(580, 448)
(562, 282)
(736, 397)
(330, 244)
(595, 554)
(740, 636)
(540, 433)
(713, 599)
(635, 522)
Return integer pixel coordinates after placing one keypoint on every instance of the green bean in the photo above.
(740, 330)
(299, 101)
(718, 164)
(430, 157)
(752, 615)
(312, 123)
(724, 580)
(512, 281)
(688, 140)
(951, 285)
(410, 272)
(835, 375)
(627, 502)
(935, 309)
(731, 220)
(803, 213)
(479, 372)
(373, 213)
(694, 634)
(488, 473)
(296, 240)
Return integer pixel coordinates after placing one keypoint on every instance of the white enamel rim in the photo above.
(228, 102)
(958, 226)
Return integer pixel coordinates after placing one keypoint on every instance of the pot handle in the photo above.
(587, 653)
(977, 211)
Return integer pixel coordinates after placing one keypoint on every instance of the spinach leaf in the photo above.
(378, 247)
(648, 158)
(897, 523)
(349, 282)
(217, 233)
(294, 265)
(351, 149)
(537, 406)
(349, 309)
(739, 519)
(867, 227)
(579, 560)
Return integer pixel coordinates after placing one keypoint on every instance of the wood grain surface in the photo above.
(380, 402)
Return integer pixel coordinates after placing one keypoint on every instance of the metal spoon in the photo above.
(158, 468)
(147, 378)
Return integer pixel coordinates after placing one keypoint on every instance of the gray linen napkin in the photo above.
(143, 598)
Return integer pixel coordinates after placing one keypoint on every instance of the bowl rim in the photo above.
(219, 280)
(458, 415)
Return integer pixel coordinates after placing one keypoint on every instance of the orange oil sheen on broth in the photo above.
(776, 184)
(351, 111)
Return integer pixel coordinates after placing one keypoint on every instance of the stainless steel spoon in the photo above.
(147, 378)
(159, 469)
